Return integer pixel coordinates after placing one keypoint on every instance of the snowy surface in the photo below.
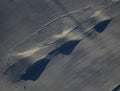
(59, 45)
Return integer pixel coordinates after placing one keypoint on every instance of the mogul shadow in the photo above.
(100, 27)
(36, 69)
(117, 88)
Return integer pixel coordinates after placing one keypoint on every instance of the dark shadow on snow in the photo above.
(36, 69)
(100, 27)
(117, 88)
(14, 71)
